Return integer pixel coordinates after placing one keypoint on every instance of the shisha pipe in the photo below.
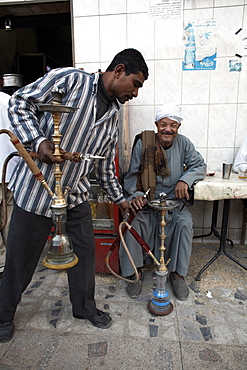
(60, 252)
(160, 304)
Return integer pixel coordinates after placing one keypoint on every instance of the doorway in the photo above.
(35, 37)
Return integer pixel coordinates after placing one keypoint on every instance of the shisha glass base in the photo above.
(160, 303)
(60, 254)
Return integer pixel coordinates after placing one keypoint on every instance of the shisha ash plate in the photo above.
(169, 204)
(53, 108)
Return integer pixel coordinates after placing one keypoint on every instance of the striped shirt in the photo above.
(80, 133)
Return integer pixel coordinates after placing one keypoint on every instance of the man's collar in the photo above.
(102, 91)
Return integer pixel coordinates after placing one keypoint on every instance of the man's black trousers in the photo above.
(28, 234)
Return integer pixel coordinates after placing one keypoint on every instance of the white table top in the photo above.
(216, 188)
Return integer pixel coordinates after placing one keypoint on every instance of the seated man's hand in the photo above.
(138, 202)
(46, 150)
(182, 190)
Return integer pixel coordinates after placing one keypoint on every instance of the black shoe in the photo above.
(101, 320)
(7, 330)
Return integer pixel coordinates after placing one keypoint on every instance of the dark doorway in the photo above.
(39, 38)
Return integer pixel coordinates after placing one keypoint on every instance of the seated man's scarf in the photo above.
(153, 163)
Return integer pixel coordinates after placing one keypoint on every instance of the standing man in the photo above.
(92, 129)
(162, 162)
(6, 148)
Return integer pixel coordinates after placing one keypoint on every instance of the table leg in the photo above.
(214, 224)
(198, 276)
(223, 239)
(244, 222)
(224, 231)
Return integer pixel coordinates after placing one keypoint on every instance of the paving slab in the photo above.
(214, 357)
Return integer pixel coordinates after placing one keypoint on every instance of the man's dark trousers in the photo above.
(28, 234)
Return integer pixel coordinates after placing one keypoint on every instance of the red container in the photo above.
(103, 244)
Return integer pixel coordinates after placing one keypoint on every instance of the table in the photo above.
(214, 188)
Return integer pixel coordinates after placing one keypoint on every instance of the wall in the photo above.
(214, 103)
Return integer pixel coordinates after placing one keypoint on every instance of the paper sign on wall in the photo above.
(200, 45)
(164, 9)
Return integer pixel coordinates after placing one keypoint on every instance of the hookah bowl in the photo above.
(160, 304)
(60, 254)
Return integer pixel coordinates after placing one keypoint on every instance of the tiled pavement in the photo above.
(199, 333)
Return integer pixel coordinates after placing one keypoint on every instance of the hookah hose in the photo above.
(27, 158)
(116, 243)
(33, 167)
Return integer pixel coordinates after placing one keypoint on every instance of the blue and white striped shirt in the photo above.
(80, 133)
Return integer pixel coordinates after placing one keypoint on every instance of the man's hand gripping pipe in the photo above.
(123, 227)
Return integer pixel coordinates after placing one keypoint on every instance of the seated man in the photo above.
(241, 158)
(164, 162)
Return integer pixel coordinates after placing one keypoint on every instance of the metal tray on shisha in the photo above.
(53, 108)
(169, 204)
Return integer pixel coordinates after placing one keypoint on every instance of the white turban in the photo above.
(171, 111)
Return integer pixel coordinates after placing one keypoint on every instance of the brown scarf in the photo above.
(154, 162)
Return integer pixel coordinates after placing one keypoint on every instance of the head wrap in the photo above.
(171, 111)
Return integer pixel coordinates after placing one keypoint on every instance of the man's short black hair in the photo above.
(132, 60)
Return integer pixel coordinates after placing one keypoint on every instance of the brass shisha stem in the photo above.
(162, 248)
(56, 137)
(163, 264)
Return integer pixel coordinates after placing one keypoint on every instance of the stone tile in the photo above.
(222, 334)
(189, 331)
(27, 349)
(216, 357)
(114, 353)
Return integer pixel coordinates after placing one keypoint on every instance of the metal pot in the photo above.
(10, 80)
